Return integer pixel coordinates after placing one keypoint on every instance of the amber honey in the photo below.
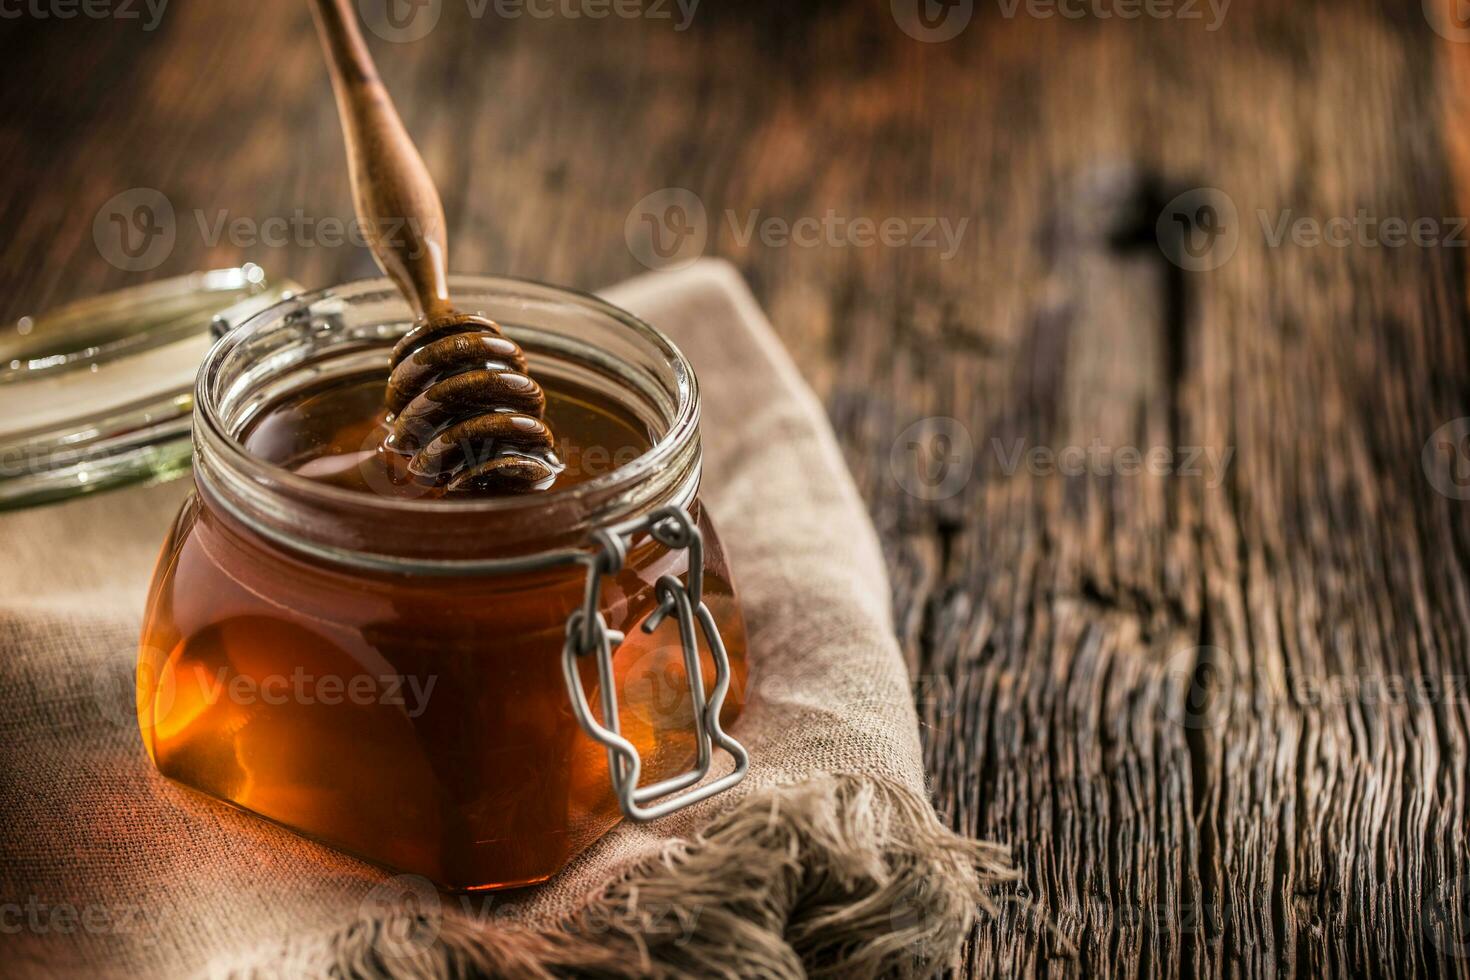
(335, 432)
(417, 720)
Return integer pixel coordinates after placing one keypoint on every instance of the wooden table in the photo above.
(1185, 597)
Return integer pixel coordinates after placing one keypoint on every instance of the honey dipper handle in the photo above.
(399, 208)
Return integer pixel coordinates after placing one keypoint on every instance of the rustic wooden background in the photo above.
(1220, 715)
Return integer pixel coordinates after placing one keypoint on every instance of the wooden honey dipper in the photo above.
(461, 404)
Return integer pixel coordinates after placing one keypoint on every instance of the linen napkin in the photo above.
(826, 860)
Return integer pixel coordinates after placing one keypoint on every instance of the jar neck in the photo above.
(366, 534)
(343, 329)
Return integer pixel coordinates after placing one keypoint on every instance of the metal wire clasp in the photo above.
(587, 633)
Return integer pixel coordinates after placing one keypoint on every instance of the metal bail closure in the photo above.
(587, 633)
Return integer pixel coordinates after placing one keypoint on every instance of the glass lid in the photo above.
(99, 393)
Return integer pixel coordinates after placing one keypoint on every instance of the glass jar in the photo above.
(468, 689)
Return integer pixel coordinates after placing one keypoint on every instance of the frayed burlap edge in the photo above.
(841, 876)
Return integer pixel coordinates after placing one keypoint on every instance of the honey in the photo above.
(335, 433)
(417, 719)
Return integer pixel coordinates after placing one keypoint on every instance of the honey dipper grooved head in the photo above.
(464, 409)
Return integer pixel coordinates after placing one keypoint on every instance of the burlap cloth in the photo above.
(827, 859)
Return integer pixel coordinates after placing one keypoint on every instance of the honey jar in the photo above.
(471, 688)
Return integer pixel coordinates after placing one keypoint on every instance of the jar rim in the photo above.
(680, 428)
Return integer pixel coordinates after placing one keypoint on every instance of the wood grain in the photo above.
(1173, 693)
(397, 204)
